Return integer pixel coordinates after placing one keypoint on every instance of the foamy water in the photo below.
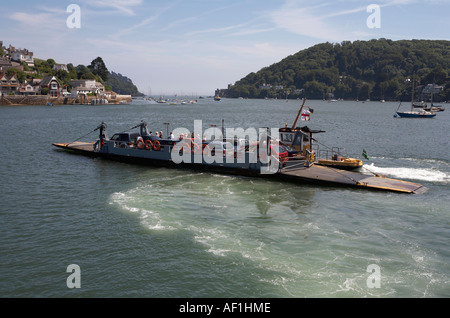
(424, 174)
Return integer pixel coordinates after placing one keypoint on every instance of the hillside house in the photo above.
(53, 85)
(60, 67)
(85, 87)
(27, 89)
(265, 86)
(432, 88)
(19, 55)
(8, 84)
(6, 64)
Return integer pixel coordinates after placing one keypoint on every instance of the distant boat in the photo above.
(420, 113)
(217, 98)
(162, 101)
(436, 108)
(433, 108)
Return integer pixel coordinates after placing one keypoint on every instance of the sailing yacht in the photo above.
(419, 113)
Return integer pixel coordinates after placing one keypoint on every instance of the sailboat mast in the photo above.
(431, 98)
(412, 95)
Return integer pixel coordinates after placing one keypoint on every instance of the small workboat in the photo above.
(341, 163)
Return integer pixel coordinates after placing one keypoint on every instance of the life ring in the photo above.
(140, 144)
(156, 145)
(186, 148)
(195, 148)
(148, 144)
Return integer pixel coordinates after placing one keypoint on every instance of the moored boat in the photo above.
(417, 114)
(420, 113)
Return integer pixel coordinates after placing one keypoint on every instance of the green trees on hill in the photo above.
(97, 70)
(374, 69)
(122, 84)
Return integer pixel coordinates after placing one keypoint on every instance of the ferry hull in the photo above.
(294, 171)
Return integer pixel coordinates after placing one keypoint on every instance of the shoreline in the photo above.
(42, 100)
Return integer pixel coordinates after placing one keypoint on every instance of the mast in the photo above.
(431, 98)
(298, 115)
(412, 95)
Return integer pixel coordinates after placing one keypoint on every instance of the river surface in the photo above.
(137, 231)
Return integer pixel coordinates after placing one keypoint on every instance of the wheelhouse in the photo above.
(299, 139)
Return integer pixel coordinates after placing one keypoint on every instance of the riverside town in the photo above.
(26, 80)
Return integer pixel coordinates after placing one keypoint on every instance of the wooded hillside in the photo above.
(375, 69)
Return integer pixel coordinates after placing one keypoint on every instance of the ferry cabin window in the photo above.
(305, 138)
(298, 139)
(120, 137)
(286, 137)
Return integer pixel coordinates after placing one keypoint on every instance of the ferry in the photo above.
(143, 147)
(261, 161)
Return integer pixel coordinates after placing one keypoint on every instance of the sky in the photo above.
(193, 47)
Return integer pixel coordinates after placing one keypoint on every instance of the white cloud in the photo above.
(143, 23)
(322, 21)
(258, 50)
(252, 31)
(123, 6)
(34, 20)
(304, 22)
(217, 30)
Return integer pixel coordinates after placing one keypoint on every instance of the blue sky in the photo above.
(192, 47)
